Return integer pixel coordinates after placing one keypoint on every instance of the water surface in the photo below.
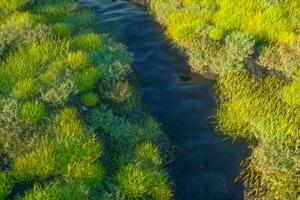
(206, 164)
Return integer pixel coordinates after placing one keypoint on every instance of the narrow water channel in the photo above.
(206, 164)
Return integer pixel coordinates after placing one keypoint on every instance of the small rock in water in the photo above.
(84, 108)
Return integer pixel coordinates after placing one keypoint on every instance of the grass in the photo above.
(252, 50)
(12, 5)
(32, 112)
(67, 95)
(77, 60)
(87, 78)
(26, 88)
(57, 190)
(87, 42)
(61, 30)
(257, 110)
(267, 25)
(89, 99)
(6, 184)
(136, 182)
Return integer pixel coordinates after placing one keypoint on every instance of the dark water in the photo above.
(206, 165)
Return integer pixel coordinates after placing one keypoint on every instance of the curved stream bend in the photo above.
(206, 165)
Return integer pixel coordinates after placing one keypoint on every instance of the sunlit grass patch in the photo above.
(89, 99)
(26, 88)
(263, 111)
(39, 164)
(59, 155)
(136, 182)
(51, 59)
(86, 79)
(191, 23)
(149, 154)
(32, 112)
(6, 185)
(77, 60)
(61, 30)
(58, 190)
(12, 5)
(90, 42)
(27, 62)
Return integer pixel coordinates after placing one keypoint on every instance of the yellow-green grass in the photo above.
(272, 25)
(260, 111)
(58, 190)
(6, 184)
(89, 99)
(252, 49)
(52, 63)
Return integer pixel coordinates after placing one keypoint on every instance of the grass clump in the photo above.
(135, 182)
(37, 164)
(88, 42)
(232, 25)
(6, 185)
(59, 155)
(86, 79)
(26, 88)
(51, 59)
(32, 112)
(61, 30)
(149, 153)
(12, 5)
(255, 109)
(291, 93)
(239, 46)
(89, 99)
(57, 190)
(77, 60)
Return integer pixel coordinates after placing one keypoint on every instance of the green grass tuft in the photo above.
(77, 60)
(135, 182)
(6, 185)
(149, 153)
(89, 42)
(32, 112)
(12, 5)
(216, 34)
(26, 88)
(61, 30)
(86, 79)
(89, 99)
(57, 190)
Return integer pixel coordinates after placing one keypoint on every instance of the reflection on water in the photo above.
(206, 165)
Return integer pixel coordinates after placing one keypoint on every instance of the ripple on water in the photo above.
(206, 165)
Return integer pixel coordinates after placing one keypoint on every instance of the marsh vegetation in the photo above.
(71, 123)
(252, 49)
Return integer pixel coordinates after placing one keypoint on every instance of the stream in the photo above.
(206, 164)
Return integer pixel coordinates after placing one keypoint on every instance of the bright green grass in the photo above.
(61, 30)
(77, 60)
(52, 62)
(26, 88)
(87, 42)
(6, 184)
(89, 99)
(252, 49)
(59, 154)
(57, 190)
(260, 111)
(87, 78)
(12, 5)
(32, 112)
(195, 24)
(136, 182)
